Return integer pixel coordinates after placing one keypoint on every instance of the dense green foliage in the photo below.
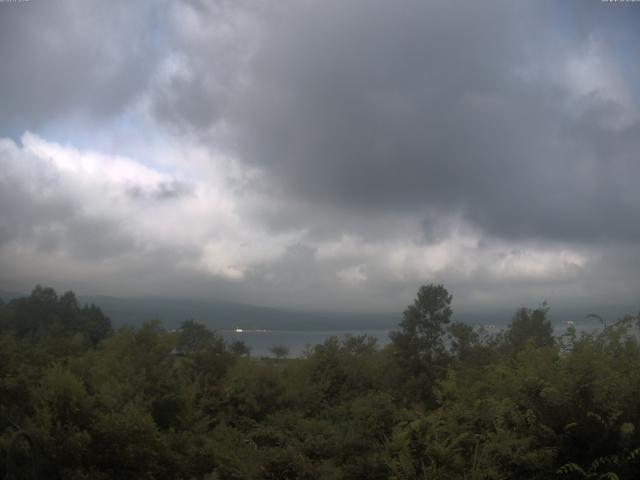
(441, 401)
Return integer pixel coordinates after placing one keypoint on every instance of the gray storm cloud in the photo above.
(485, 110)
(380, 108)
(62, 59)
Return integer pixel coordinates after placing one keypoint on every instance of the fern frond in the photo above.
(569, 468)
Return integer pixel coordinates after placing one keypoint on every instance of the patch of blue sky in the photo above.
(127, 135)
(614, 23)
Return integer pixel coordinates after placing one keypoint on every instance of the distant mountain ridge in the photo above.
(226, 315)
(8, 295)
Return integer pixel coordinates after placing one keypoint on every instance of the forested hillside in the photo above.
(442, 401)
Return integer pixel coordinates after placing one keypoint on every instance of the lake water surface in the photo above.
(260, 341)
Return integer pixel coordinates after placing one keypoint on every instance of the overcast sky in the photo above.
(327, 155)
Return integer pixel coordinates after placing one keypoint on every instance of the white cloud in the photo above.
(543, 263)
(354, 275)
(462, 254)
(135, 207)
